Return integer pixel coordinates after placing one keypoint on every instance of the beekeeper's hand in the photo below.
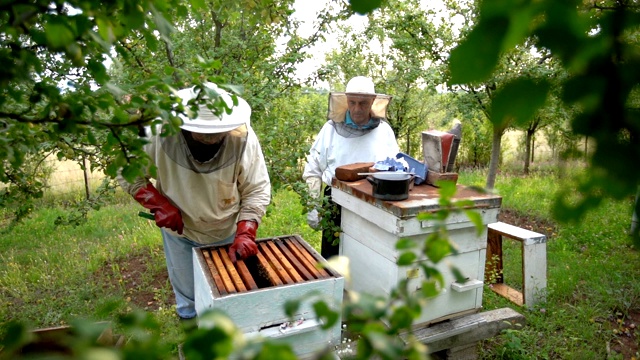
(166, 215)
(313, 219)
(314, 184)
(245, 242)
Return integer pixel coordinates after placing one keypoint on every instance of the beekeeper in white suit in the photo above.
(212, 186)
(356, 131)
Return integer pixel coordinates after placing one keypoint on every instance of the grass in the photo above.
(592, 273)
(50, 275)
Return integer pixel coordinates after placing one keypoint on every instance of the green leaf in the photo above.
(162, 25)
(364, 6)
(517, 101)
(458, 275)
(429, 288)
(447, 189)
(477, 55)
(291, 307)
(105, 29)
(58, 35)
(274, 350)
(405, 243)
(402, 317)
(197, 4)
(324, 312)
(437, 248)
(406, 258)
(476, 219)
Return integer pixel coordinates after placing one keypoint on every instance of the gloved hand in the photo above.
(313, 219)
(245, 241)
(166, 215)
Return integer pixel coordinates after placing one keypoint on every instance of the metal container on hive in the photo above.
(371, 227)
(284, 269)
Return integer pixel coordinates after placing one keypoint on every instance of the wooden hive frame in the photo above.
(280, 261)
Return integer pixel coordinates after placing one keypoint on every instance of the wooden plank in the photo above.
(293, 273)
(470, 329)
(273, 277)
(313, 260)
(228, 284)
(509, 293)
(433, 177)
(294, 260)
(246, 275)
(493, 265)
(214, 272)
(307, 260)
(534, 273)
(275, 263)
(528, 237)
(231, 269)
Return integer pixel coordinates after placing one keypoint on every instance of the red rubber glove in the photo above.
(166, 215)
(245, 241)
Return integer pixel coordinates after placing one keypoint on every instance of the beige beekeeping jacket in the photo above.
(212, 196)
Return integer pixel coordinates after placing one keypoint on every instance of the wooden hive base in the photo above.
(280, 261)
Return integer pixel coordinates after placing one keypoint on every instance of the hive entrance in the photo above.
(280, 261)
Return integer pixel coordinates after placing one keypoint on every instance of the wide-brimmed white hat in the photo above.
(359, 85)
(206, 121)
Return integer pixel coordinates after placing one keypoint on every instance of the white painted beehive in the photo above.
(253, 293)
(372, 227)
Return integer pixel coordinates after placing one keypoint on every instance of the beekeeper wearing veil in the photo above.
(356, 131)
(211, 184)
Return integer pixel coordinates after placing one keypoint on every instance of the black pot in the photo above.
(389, 186)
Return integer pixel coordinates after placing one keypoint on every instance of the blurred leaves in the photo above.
(517, 101)
(598, 49)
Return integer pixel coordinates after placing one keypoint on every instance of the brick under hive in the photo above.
(280, 261)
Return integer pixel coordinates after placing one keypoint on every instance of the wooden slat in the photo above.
(302, 270)
(214, 272)
(228, 284)
(293, 273)
(493, 263)
(231, 269)
(308, 260)
(298, 253)
(271, 274)
(246, 275)
(275, 264)
(509, 293)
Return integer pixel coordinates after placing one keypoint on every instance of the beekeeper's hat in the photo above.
(359, 85)
(206, 121)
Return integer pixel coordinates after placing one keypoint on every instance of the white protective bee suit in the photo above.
(341, 142)
(210, 192)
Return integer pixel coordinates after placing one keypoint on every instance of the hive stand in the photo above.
(534, 263)
(454, 339)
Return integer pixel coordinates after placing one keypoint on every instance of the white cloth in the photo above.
(211, 198)
(331, 150)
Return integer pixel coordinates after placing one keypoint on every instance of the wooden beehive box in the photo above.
(372, 227)
(253, 292)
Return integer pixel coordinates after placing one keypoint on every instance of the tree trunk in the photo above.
(533, 147)
(586, 143)
(495, 157)
(527, 150)
(634, 217)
